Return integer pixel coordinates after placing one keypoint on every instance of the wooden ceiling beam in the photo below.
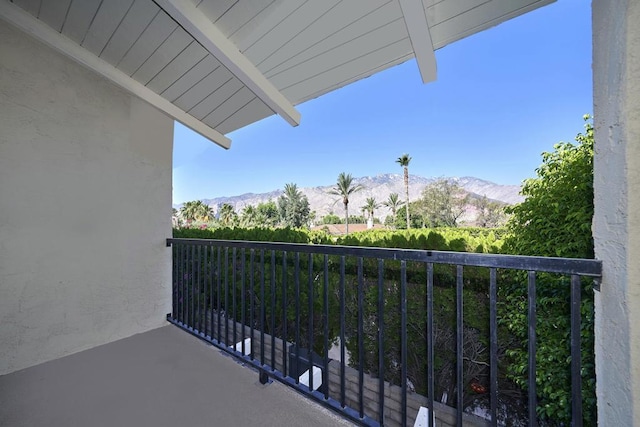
(212, 39)
(41, 31)
(420, 36)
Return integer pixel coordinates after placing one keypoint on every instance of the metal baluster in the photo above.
(325, 371)
(430, 345)
(459, 345)
(207, 291)
(381, 341)
(191, 316)
(342, 334)
(243, 319)
(198, 288)
(576, 362)
(310, 326)
(493, 345)
(174, 282)
(234, 288)
(284, 312)
(272, 361)
(360, 338)
(226, 296)
(532, 348)
(297, 344)
(262, 310)
(252, 300)
(403, 339)
(219, 292)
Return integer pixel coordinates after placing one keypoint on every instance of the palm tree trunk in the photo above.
(406, 190)
(346, 217)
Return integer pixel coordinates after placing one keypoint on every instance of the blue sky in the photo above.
(502, 97)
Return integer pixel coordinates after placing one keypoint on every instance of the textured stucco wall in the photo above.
(616, 73)
(85, 206)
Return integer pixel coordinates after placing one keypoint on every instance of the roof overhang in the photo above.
(205, 33)
(219, 65)
(44, 33)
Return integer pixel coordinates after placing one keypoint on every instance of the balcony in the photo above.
(159, 378)
(379, 336)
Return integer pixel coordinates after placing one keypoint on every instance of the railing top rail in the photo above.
(579, 266)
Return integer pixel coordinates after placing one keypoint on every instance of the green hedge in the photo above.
(477, 240)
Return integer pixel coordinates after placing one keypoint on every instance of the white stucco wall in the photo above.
(616, 73)
(85, 207)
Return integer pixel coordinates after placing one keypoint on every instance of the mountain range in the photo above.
(379, 187)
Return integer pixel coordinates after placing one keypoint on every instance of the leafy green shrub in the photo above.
(554, 220)
(256, 234)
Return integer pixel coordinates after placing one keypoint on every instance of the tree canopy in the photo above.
(443, 203)
(227, 215)
(393, 202)
(344, 188)
(293, 207)
(370, 207)
(196, 210)
(555, 218)
(490, 213)
(267, 214)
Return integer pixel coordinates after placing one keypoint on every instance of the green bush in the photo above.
(443, 239)
(554, 220)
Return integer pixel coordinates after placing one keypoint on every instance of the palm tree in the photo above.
(393, 203)
(248, 216)
(203, 211)
(189, 211)
(404, 162)
(370, 206)
(344, 188)
(196, 210)
(227, 215)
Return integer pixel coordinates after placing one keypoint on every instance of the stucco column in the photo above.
(616, 226)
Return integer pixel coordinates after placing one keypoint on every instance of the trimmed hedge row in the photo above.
(478, 240)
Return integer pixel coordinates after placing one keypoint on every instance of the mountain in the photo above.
(379, 186)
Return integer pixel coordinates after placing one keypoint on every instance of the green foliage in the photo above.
(370, 207)
(332, 219)
(293, 207)
(554, 220)
(442, 203)
(196, 210)
(248, 216)
(491, 214)
(344, 188)
(393, 203)
(227, 216)
(476, 325)
(448, 239)
(415, 218)
(256, 234)
(357, 219)
(267, 214)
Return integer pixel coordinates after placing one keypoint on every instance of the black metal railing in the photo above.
(375, 333)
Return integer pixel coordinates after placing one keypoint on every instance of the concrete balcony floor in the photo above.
(164, 377)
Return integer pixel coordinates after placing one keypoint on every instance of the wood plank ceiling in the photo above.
(304, 48)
